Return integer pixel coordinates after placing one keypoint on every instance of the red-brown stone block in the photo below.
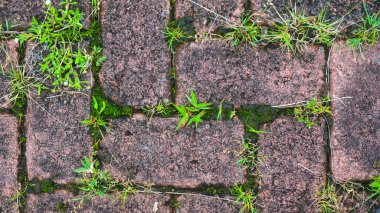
(153, 152)
(355, 136)
(9, 155)
(245, 75)
(138, 59)
(294, 167)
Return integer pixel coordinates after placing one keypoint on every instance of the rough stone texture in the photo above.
(157, 154)
(8, 61)
(286, 185)
(138, 59)
(21, 12)
(351, 9)
(355, 138)
(244, 75)
(60, 201)
(139, 203)
(190, 204)
(204, 20)
(56, 141)
(9, 154)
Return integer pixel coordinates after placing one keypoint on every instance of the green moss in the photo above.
(47, 186)
(112, 110)
(19, 107)
(174, 203)
(42, 186)
(254, 116)
(61, 207)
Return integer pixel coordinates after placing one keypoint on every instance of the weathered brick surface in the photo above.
(20, 13)
(294, 167)
(355, 135)
(228, 11)
(60, 201)
(9, 154)
(351, 10)
(157, 154)
(139, 203)
(245, 75)
(8, 61)
(56, 141)
(138, 58)
(190, 204)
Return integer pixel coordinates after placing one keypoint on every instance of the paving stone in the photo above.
(139, 203)
(138, 59)
(244, 75)
(355, 134)
(8, 61)
(294, 169)
(60, 201)
(189, 204)
(228, 11)
(20, 13)
(56, 141)
(158, 154)
(352, 10)
(9, 155)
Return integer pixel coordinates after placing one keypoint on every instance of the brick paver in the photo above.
(156, 153)
(189, 204)
(356, 131)
(138, 59)
(56, 141)
(245, 75)
(8, 62)
(139, 203)
(294, 167)
(9, 155)
(210, 14)
(62, 201)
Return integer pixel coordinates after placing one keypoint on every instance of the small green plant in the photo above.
(322, 31)
(290, 33)
(246, 33)
(329, 200)
(163, 109)
(309, 112)
(253, 130)
(96, 120)
(174, 203)
(375, 187)
(176, 35)
(246, 196)
(94, 182)
(369, 31)
(66, 60)
(192, 113)
(220, 111)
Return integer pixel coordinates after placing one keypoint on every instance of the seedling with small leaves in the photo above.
(246, 33)
(163, 109)
(246, 196)
(94, 182)
(309, 112)
(369, 31)
(96, 120)
(192, 113)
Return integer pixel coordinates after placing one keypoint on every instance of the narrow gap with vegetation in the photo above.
(19, 110)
